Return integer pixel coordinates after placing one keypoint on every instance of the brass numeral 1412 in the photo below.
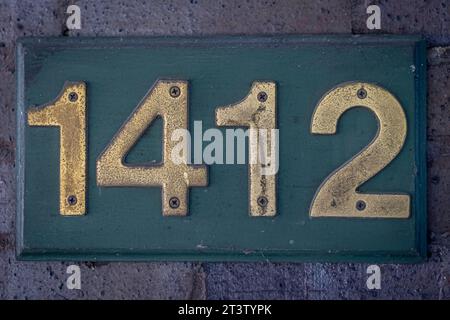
(337, 196)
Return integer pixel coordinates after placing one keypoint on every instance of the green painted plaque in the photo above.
(127, 222)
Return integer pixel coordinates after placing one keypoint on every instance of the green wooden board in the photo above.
(127, 224)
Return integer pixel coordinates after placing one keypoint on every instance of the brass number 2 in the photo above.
(169, 100)
(338, 196)
(68, 112)
(257, 111)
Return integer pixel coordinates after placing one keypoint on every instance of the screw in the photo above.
(262, 201)
(362, 93)
(174, 202)
(360, 205)
(72, 200)
(73, 97)
(262, 96)
(174, 91)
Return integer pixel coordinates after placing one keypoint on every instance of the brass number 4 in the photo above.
(169, 100)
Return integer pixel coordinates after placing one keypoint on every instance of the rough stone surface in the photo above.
(231, 280)
(430, 18)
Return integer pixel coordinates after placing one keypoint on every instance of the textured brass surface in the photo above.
(68, 112)
(169, 100)
(338, 196)
(256, 111)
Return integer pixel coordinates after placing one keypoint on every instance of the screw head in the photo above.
(72, 200)
(361, 93)
(360, 205)
(262, 201)
(262, 96)
(174, 202)
(73, 96)
(175, 91)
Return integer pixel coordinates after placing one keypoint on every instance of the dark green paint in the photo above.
(126, 223)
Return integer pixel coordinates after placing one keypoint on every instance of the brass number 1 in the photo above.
(338, 196)
(257, 111)
(169, 100)
(68, 112)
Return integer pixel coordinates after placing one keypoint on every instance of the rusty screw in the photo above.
(360, 205)
(262, 201)
(362, 93)
(72, 200)
(262, 96)
(174, 91)
(73, 97)
(174, 202)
